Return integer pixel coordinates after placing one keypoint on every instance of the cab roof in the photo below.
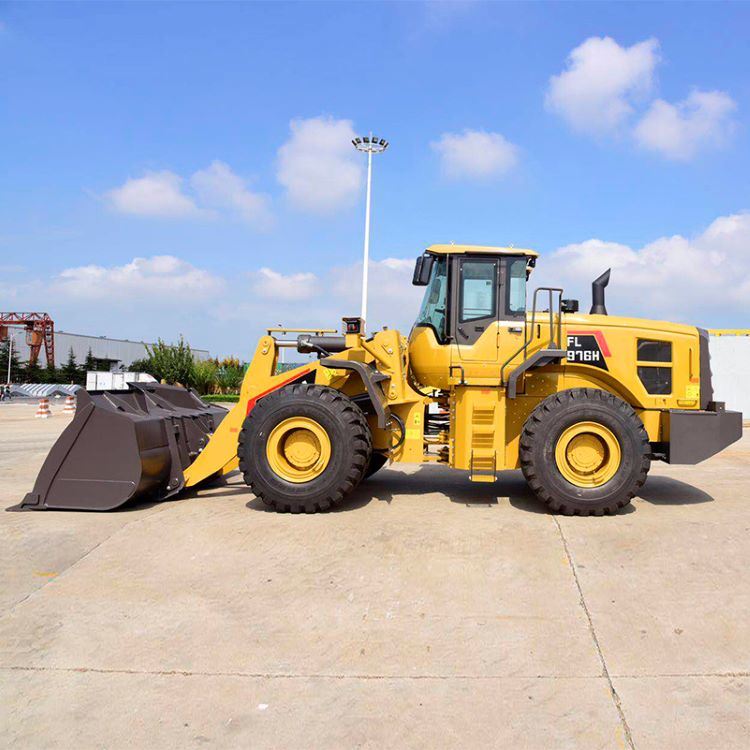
(482, 249)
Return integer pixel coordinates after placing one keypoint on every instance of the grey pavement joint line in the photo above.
(605, 671)
(372, 677)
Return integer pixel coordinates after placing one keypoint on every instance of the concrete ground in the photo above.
(428, 612)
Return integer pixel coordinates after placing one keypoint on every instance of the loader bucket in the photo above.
(124, 446)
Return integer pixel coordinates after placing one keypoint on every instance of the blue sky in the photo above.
(210, 141)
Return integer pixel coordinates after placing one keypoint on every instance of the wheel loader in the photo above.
(486, 381)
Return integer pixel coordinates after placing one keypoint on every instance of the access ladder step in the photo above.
(483, 462)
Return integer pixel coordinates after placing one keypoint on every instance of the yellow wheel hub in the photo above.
(588, 454)
(298, 449)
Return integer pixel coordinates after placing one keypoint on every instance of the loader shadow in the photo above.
(661, 490)
(388, 485)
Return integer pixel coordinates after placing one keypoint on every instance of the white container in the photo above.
(115, 381)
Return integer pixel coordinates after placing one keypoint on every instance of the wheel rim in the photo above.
(298, 449)
(588, 454)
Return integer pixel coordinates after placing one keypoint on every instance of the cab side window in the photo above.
(517, 286)
(478, 291)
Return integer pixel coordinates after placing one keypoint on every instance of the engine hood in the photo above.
(581, 320)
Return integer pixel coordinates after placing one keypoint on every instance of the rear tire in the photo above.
(603, 470)
(285, 479)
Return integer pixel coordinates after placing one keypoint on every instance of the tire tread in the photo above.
(347, 413)
(536, 423)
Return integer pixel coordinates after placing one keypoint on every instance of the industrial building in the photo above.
(111, 354)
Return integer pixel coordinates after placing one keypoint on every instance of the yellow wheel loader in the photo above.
(486, 381)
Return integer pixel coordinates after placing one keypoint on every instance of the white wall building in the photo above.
(730, 364)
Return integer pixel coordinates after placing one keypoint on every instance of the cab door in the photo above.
(476, 292)
(512, 316)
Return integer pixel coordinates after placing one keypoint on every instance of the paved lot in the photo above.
(429, 612)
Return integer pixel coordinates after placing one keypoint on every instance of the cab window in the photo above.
(432, 311)
(517, 286)
(478, 290)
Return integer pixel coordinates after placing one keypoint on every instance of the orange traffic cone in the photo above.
(70, 405)
(43, 411)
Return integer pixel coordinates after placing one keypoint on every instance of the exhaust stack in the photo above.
(597, 294)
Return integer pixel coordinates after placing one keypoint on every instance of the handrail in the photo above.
(319, 331)
(529, 327)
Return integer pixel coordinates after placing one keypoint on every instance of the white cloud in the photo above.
(704, 280)
(397, 264)
(318, 166)
(325, 298)
(678, 131)
(273, 285)
(154, 194)
(215, 191)
(392, 300)
(475, 154)
(305, 298)
(219, 187)
(697, 280)
(161, 279)
(596, 90)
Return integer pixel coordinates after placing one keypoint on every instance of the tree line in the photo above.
(175, 364)
(25, 372)
(168, 363)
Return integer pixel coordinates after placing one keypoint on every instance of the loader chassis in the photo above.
(486, 381)
(441, 395)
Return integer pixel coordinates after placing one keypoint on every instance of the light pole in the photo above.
(369, 145)
(11, 336)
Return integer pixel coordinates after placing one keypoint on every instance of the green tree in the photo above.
(32, 373)
(50, 374)
(15, 365)
(229, 378)
(172, 363)
(141, 365)
(89, 363)
(70, 371)
(204, 376)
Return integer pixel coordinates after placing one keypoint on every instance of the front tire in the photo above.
(584, 451)
(303, 448)
(377, 462)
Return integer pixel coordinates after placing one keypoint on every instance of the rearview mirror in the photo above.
(423, 270)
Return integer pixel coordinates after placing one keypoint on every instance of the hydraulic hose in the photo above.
(413, 385)
(402, 427)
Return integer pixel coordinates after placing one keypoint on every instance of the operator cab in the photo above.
(474, 310)
(487, 284)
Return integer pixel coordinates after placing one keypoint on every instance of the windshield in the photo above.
(432, 312)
